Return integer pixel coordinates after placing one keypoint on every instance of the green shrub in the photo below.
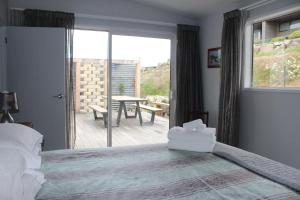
(277, 39)
(121, 89)
(149, 88)
(294, 35)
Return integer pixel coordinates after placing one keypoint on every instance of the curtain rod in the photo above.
(158, 23)
(257, 4)
(20, 9)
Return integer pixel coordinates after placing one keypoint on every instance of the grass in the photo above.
(293, 50)
(264, 53)
(276, 52)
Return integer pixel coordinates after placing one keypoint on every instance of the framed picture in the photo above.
(214, 58)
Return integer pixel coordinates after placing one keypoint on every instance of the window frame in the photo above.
(247, 69)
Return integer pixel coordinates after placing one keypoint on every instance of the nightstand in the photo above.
(29, 124)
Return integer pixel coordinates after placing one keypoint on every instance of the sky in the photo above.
(93, 45)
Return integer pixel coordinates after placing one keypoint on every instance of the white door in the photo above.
(36, 72)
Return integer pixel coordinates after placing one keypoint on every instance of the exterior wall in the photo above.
(285, 33)
(269, 30)
(211, 30)
(91, 81)
(90, 85)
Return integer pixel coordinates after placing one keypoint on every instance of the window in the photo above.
(276, 53)
(285, 26)
(295, 24)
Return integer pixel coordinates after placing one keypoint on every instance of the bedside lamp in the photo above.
(8, 104)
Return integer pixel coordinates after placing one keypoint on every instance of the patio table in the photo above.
(128, 99)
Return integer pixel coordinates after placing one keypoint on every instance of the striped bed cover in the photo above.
(155, 173)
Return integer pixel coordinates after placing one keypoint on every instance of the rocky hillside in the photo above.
(156, 80)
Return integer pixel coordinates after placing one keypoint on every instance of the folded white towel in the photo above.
(191, 137)
(195, 140)
(195, 125)
(202, 140)
(181, 133)
(176, 131)
(189, 145)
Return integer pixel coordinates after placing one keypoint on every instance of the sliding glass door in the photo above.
(122, 89)
(140, 88)
(91, 87)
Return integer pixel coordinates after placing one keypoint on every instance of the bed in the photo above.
(153, 172)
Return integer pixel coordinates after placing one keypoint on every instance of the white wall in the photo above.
(270, 125)
(270, 121)
(211, 29)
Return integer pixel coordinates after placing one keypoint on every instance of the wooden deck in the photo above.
(93, 134)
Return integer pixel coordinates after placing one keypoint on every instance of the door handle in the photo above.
(59, 96)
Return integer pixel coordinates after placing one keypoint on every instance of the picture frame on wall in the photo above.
(214, 57)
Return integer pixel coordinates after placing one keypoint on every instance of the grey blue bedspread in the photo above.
(155, 173)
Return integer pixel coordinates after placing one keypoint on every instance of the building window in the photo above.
(285, 26)
(295, 24)
(276, 53)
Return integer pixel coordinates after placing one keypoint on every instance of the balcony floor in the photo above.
(93, 134)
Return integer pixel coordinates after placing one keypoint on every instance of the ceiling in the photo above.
(191, 8)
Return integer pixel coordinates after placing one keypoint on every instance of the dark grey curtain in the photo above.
(229, 102)
(189, 77)
(42, 18)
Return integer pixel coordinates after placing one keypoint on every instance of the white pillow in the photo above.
(37, 175)
(32, 182)
(32, 161)
(12, 168)
(29, 137)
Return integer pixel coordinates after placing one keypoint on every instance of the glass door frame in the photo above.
(172, 94)
(135, 33)
(109, 92)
